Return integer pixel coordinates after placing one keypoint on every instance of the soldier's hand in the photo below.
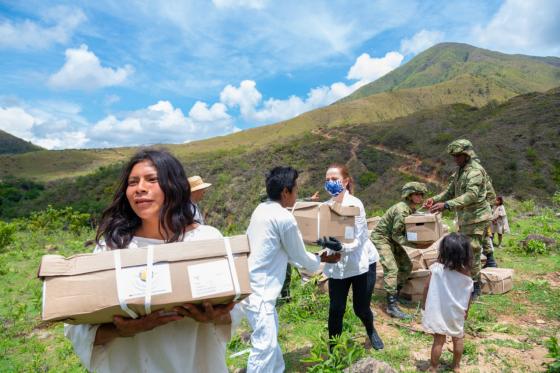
(429, 203)
(437, 207)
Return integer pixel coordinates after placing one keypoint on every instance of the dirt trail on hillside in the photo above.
(414, 166)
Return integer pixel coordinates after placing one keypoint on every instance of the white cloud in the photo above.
(253, 109)
(83, 70)
(251, 4)
(162, 123)
(246, 97)
(367, 69)
(421, 41)
(57, 27)
(17, 122)
(41, 127)
(520, 26)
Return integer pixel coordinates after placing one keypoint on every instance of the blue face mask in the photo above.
(334, 187)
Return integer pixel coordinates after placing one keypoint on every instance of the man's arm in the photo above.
(295, 248)
(475, 180)
(399, 229)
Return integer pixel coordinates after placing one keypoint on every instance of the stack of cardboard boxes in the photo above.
(427, 231)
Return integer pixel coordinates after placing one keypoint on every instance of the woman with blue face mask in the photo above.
(358, 258)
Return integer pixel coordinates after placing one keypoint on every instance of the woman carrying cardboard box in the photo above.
(358, 258)
(152, 206)
(389, 236)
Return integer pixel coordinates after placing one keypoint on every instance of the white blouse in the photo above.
(360, 253)
(180, 346)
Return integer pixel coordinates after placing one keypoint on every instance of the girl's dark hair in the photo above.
(455, 252)
(500, 200)
(345, 174)
(119, 222)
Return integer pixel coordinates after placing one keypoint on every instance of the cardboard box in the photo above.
(430, 256)
(83, 288)
(414, 287)
(423, 228)
(496, 280)
(372, 222)
(315, 220)
(416, 257)
(379, 288)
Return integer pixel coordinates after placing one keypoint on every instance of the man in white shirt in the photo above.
(275, 240)
(198, 189)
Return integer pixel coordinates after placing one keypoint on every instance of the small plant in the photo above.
(535, 247)
(554, 353)
(343, 353)
(7, 232)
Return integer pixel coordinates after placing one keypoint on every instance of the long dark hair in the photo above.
(119, 222)
(345, 174)
(455, 252)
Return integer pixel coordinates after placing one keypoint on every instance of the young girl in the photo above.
(151, 206)
(447, 297)
(500, 223)
(358, 257)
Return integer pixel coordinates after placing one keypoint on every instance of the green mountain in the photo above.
(518, 142)
(444, 74)
(10, 144)
(446, 61)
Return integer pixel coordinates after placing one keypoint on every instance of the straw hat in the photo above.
(197, 183)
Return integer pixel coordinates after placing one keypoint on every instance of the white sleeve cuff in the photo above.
(82, 337)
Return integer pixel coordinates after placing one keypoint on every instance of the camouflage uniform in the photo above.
(389, 237)
(467, 194)
(487, 246)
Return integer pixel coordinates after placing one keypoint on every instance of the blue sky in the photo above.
(77, 74)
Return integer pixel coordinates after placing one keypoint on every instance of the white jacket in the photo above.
(360, 253)
(275, 240)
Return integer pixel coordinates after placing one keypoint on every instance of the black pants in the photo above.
(338, 292)
(371, 277)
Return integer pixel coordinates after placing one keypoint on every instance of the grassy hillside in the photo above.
(10, 144)
(518, 142)
(446, 61)
(426, 82)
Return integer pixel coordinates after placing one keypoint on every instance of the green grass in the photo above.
(497, 326)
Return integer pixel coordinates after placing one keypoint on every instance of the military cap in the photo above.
(461, 146)
(413, 187)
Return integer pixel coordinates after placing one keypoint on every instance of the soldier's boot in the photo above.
(490, 261)
(476, 290)
(393, 309)
(401, 298)
(375, 340)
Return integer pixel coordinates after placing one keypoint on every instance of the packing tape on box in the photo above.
(232, 269)
(120, 291)
(149, 275)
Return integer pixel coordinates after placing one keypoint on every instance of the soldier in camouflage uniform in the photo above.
(389, 236)
(467, 195)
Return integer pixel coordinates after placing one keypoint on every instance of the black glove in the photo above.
(330, 243)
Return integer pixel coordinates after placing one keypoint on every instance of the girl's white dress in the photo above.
(501, 225)
(447, 301)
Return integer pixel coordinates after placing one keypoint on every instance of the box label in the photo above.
(134, 280)
(348, 233)
(412, 236)
(210, 278)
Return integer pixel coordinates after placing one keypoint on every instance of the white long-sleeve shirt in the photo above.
(275, 240)
(358, 254)
(180, 346)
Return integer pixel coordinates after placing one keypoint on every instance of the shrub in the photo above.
(554, 353)
(367, 178)
(54, 219)
(7, 232)
(535, 247)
